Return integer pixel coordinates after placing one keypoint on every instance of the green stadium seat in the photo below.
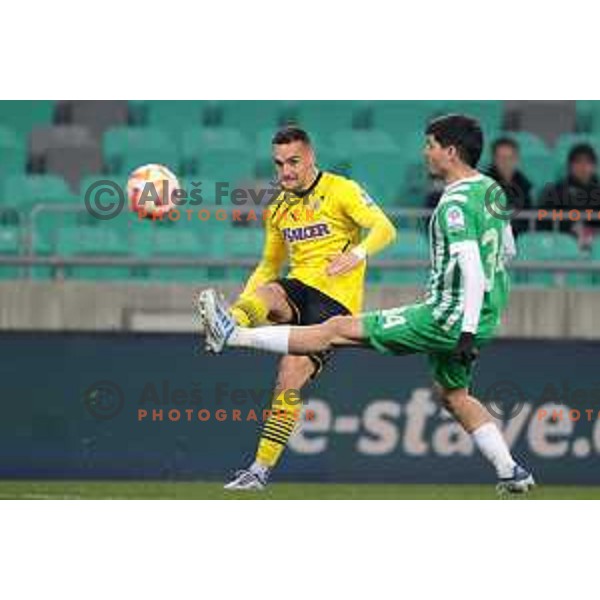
(13, 152)
(490, 113)
(325, 117)
(220, 154)
(243, 242)
(173, 241)
(543, 246)
(174, 116)
(380, 174)
(350, 142)
(409, 245)
(588, 115)
(405, 120)
(94, 241)
(125, 148)
(10, 239)
(414, 177)
(252, 116)
(595, 256)
(24, 191)
(23, 115)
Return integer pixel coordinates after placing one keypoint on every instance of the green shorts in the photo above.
(412, 329)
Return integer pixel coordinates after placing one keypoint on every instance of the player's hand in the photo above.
(465, 351)
(342, 263)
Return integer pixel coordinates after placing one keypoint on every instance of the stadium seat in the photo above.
(380, 173)
(23, 115)
(252, 116)
(126, 148)
(409, 245)
(174, 116)
(24, 191)
(96, 115)
(12, 152)
(173, 241)
(95, 241)
(349, 142)
(220, 154)
(243, 243)
(542, 246)
(324, 117)
(588, 115)
(490, 113)
(404, 120)
(10, 238)
(595, 256)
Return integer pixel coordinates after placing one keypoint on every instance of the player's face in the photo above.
(295, 165)
(438, 158)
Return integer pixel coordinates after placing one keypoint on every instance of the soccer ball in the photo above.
(150, 190)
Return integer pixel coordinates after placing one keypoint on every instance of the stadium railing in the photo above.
(405, 218)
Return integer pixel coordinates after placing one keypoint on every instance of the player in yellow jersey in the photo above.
(325, 226)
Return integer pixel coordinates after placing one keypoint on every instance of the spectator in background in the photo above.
(579, 190)
(505, 170)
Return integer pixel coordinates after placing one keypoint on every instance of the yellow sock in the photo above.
(278, 428)
(250, 311)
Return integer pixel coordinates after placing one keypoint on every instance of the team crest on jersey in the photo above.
(455, 218)
(307, 232)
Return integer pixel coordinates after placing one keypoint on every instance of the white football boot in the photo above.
(521, 482)
(216, 320)
(245, 480)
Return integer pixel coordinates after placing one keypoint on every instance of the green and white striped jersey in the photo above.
(461, 216)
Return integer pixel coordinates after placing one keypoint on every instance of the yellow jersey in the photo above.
(309, 229)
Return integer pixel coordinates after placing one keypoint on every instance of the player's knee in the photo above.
(334, 331)
(274, 297)
(452, 398)
(294, 372)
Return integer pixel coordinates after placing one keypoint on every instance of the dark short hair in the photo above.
(462, 132)
(582, 150)
(290, 134)
(505, 141)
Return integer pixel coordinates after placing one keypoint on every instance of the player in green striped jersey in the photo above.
(470, 242)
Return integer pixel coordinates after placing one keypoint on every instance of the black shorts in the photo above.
(310, 307)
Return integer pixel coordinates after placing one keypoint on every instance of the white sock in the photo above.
(261, 471)
(271, 339)
(492, 445)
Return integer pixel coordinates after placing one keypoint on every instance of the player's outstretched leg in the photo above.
(221, 330)
(487, 437)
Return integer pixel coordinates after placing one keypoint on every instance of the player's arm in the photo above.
(250, 309)
(273, 257)
(357, 204)
(461, 232)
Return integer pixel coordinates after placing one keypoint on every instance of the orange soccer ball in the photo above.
(150, 190)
